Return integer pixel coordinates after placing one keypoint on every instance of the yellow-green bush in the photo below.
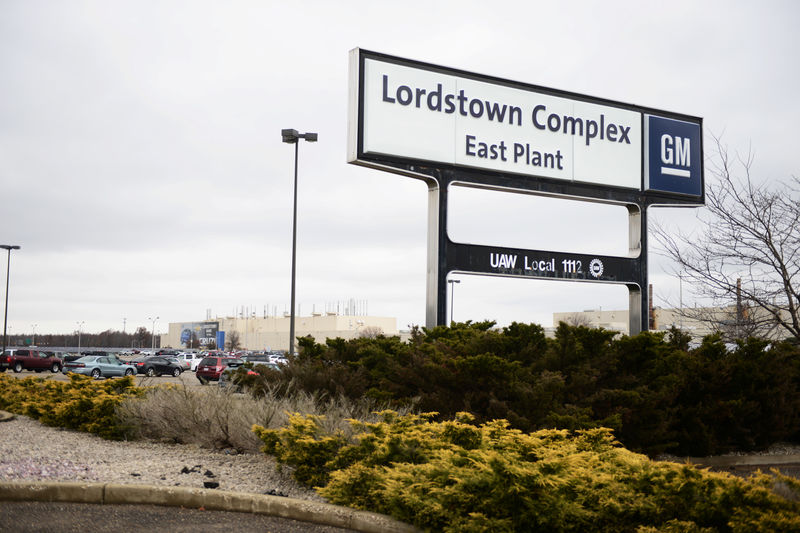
(454, 476)
(82, 403)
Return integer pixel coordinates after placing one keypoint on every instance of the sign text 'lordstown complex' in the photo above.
(419, 112)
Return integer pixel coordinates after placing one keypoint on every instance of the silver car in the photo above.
(98, 367)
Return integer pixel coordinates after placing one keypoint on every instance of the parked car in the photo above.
(225, 378)
(156, 366)
(180, 361)
(270, 360)
(210, 368)
(99, 366)
(72, 356)
(167, 352)
(95, 352)
(20, 359)
(58, 355)
(256, 358)
(67, 357)
(191, 358)
(278, 358)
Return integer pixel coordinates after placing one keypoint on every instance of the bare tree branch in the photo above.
(749, 232)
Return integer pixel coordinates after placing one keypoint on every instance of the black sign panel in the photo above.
(541, 264)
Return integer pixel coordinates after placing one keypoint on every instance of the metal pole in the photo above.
(452, 296)
(80, 326)
(452, 293)
(292, 136)
(5, 314)
(294, 250)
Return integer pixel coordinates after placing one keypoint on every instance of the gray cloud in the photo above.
(141, 167)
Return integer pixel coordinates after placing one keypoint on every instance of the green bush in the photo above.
(82, 403)
(455, 476)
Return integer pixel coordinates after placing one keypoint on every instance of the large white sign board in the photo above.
(425, 115)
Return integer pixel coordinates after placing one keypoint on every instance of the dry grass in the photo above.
(214, 417)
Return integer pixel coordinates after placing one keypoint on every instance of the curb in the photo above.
(5, 416)
(208, 499)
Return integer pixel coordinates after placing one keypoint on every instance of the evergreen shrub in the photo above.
(454, 476)
(656, 393)
(82, 403)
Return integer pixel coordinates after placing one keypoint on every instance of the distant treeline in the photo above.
(141, 338)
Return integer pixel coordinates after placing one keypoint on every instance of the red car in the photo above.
(25, 359)
(210, 368)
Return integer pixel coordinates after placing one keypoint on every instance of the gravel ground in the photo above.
(30, 451)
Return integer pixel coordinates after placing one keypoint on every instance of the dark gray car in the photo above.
(156, 366)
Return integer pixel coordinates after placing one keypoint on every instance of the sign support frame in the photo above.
(446, 256)
(662, 169)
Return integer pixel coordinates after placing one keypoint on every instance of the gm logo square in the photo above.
(673, 156)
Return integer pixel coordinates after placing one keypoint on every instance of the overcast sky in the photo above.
(142, 169)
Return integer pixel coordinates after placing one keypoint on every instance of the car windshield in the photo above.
(86, 359)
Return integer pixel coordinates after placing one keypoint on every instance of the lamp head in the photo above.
(289, 136)
(292, 136)
(9, 247)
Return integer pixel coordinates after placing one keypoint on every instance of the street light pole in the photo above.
(153, 333)
(7, 247)
(33, 342)
(292, 137)
(80, 326)
(452, 291)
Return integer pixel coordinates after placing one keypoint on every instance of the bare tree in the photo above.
(370, 332)
(141, 337)
(233, 342)
(578, 319)
(745, 259)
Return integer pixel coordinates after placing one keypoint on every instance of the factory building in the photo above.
(617, 320)
(272, 332)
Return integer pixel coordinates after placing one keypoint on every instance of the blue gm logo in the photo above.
(673, 156)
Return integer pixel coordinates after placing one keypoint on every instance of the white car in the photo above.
(190, 358)
(278, 358)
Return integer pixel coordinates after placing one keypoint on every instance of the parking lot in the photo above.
(187, 378)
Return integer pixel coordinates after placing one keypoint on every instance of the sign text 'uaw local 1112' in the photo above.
(423, 113)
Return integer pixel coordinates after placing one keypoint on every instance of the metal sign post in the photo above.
(446, 257)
